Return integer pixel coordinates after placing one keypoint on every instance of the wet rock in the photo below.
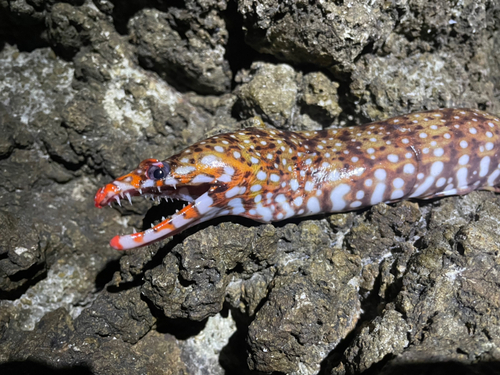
(123, 315)
(258, 97)
(316, 33)
(319, 96)
(22, 255)
(192, 59)
(306, 315)
(192, 281)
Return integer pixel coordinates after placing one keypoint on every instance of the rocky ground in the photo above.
(90, 88)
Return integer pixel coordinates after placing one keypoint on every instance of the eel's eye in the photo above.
(158, 173)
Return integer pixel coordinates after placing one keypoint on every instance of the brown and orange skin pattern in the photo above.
(270, 175)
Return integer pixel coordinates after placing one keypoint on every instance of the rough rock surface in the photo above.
(88, 88)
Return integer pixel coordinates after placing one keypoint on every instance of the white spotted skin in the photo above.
(270, 175)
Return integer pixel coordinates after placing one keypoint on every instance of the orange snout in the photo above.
(103, 195)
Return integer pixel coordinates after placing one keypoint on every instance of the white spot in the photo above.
(202, 178)
(204, 203)
(463, 144)
(491, 124)
(424, 187)
(447, 135)
(433, 143)
(232, 192)
(355, 204)
(463, 160)
(420, 176)
(255, 187)
(405, 140)
(298, 201)
(489, 146)
(257, 198)
(184, 169)
(337, 197)
(219, 148)
(423, 135)
(441, 182)
(279, 216)
(473, 130)
(229, 170)
(493, 177)
(484, 166)
(462, 177)
(284, 161)
(313, 205)
(434, 127)
(274, 177)
(489, 134)
(209, 159)
(354, 159)
(280, 198)
(370, 151)
(308, 161)
(360, 194)
(398, 183)
(437, 168)
(373, 139)
(378, 194)
(261, 175)
(265, 213)
(438, 152)
(309, 186)
(392, 158)
(236, 155)
(263, 143)
(294, 184)
(380, 174)
(425, 150)
(269, 156)
(408, 155)
(225, 178)
(369, 182)
(254, 160)
(184, 160)
(396, 194)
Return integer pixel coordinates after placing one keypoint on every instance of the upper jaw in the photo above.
(117, 190)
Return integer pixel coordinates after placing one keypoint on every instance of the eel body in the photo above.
(269, 175)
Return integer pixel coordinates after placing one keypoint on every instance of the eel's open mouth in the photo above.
(199, 208)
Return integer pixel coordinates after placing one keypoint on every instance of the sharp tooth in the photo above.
(159, 190)
(163, 218)
(118, 200)
(158, 199)
(152, 225)
(140, 191)
(176, 211)
(134, 230)
(128, 197)
(121, 195)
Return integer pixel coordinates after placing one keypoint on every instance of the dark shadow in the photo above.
(30, 367)
(32, 275)
(106, 275)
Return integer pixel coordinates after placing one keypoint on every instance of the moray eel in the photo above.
(269, 175)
